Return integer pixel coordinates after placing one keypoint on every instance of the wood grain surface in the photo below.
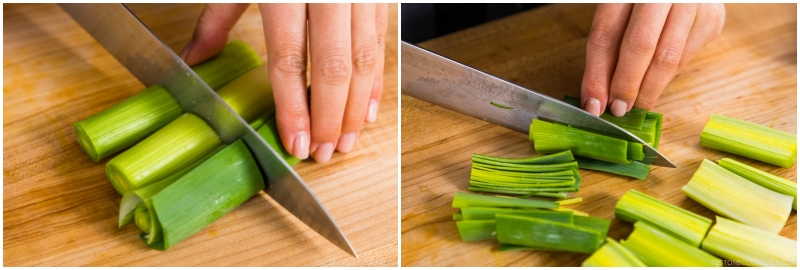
(749, 72)
(60, 210)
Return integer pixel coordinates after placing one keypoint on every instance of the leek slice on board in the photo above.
(489, 213)
(750, 140)
(525, 176)
(133, 119)
(657, 248)
(678, 222)
(550, 137)
(612, 254)
(765, 179)
(473, 230)
(462, 200)
(734, 197)
(546, 234)
(749, 246)
(636, 169)
(645, 125)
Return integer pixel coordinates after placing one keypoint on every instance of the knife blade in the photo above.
(123, 35)
(445, 82)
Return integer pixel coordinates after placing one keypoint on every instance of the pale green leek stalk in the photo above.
(678, 222)
(749, 246)
(765, 179)
(732, 196)
(750, 140)
(612, 254)
(133, 119)
(551, 137)
(188, 138)
(657, 248)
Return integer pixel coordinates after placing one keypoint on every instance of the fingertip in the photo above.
(300, 143)
(372, 111)
(619, 108)
(346, 142)
(593, 106)
(323, 153)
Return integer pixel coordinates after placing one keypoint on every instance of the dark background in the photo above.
(422, 22)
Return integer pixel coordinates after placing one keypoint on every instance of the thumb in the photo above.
(211, 33)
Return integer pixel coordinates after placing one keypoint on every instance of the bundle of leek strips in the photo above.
(525, 176)
(765, 179)
(686, 226)
(173, 209)
(130, 121)
(750, 140)
(612, 254)
(732, 196)
(187, 138)
(749, 246)
(657, 248)
(584, 235)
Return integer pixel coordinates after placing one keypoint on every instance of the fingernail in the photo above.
(323, 153)
(300, 145)
(346, 142)
(185, 52)
(593, 106)
(372, 111)
(619, 108)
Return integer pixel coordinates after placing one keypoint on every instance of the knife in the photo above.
(445, 82)
(123, 35)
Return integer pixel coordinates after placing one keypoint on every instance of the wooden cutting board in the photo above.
(60, 210)
(749, 72)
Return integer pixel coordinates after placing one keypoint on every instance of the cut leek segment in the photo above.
(750, 140)
(462, 200)
(555, 158)
(546, 234)
(686, 226)
(765, 179)
(458, 216)
(489, 213)
(473, 230)
(557, 195)
(612, 254)
(182, 142)
(749, 246)
(133, 119)
(598, 224)
(550, 138)
(636, 169)
(657, 248)
(734, 197)
(631, 120)
(525, 176)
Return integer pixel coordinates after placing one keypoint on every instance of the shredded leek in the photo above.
(657, 248)
(749, 246)
(679, 223)
(750, 140)
(130, 121)
(765, 179)
(732, 196)
(612, 254)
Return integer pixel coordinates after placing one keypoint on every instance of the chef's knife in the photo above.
(445, 82)
(124, 36)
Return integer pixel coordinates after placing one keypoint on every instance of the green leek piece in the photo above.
(765, 179)
(182, 142)
(570, 210)
(131, 120)
(557, 195)
(636, 169)
(570, 201)
(651, 129)
(598, 224)
(678, 222)
(250, 95)
(750, 140)
(749, 246)
(270, 134)
(732, 196)
(473, 230)
(525, 176)
(612, 254)
(489, 213)
(551, 137)
(560, 157)
(546, 234)
(657, 248)
(462, 200)
(458, 216)
(645, 125)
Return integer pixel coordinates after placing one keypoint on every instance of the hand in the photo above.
(634, 51)
(346, 44)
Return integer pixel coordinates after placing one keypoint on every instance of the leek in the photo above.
(677, 222)
(489, 213)
(749, 246)
(750, 140)
(636, 169)
(130, 121)
(732, 196)
(187, 138)
(546, 234)
(462, 200)
(645, 125)
(472, 230)
(657, 248)
(612, 254)
(551, 137)
(765, 179)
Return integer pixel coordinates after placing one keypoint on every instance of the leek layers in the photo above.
(750, 140)
(657, 248)
(678, 222)
(525, 176)
(764, 179)
(749, 246)
(612, 254)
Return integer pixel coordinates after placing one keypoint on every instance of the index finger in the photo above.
(602, 49)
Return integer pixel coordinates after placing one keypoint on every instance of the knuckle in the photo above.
(646, 101)
(364, 60)
(667, 58)
(290, 62)
(602, 40)
(641, 41)
(335, 68)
